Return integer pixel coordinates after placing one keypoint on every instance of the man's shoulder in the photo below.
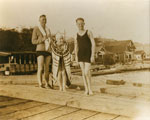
(89, 31)
(36, 28)
(75, 35)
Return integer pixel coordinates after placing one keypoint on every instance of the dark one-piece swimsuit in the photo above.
(84, 47)
(43, 53)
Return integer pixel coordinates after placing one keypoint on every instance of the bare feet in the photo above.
(47, 86)
(86, 93)
(60, 89)
(64, 90)
(90, 92)
(41, 86)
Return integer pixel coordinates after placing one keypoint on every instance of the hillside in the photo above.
(21, 41)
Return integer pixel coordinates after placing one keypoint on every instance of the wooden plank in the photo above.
(95, 88)
(101, 72)
(141, 98)
(115, 82)
(26, 79)
(18, 107)
(52, 114)
(3, 98)
(37, 94)
(123, 118)
(93, 67)
(102, 116)
(78, 115)
(134, 84)
(29, 112)
(12, 102)
(134, 91)
(125, 97)
(97, 102)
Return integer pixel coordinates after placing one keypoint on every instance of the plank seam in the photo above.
(41, 112)
(9, 99)
(4, 106)
(23, 109)
(65, 114)
(115, 117)
(91, 115)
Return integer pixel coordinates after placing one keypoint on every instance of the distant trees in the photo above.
(26, 36)
(12, 40)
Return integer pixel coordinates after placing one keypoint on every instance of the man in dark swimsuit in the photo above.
(43, 56)
(84, 52)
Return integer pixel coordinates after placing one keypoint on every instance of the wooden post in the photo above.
(15, 61)
(15, 64)
(123, 58)
(102, 59)
(33, 62)
(19, 59)
(24, 57)
(30, 62)
(9, 59)
(20, 63)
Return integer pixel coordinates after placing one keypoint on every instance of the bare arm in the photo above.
(50, 35)
(36, 39)
(76, 48)
(90, 34)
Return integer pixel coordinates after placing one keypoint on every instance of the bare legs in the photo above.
(62, 80)
(46, 71)
(86, 74)
(43, 62)
(88, 77)
(40, 61)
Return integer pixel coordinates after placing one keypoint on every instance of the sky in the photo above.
(117, 19)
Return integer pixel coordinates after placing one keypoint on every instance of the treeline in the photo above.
(12, 40)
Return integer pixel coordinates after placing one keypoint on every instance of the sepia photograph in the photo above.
(74, 59)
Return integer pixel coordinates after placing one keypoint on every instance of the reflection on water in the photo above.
(136, 76)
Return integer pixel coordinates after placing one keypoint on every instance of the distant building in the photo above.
(140, 55)
(147, 56)
(110, 51)
(99, 54)
(117, 51)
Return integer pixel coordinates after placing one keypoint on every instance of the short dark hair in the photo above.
(42, 16)
(80, 19)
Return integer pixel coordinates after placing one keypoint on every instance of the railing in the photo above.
(20, 63)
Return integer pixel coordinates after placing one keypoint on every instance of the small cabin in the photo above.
(119, 51)
(140, 55)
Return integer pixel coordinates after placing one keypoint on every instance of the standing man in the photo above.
(84, 52)
(41, 37)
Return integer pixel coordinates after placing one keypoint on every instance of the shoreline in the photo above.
(96, 70)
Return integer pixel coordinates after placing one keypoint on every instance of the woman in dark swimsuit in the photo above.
(84, 52)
